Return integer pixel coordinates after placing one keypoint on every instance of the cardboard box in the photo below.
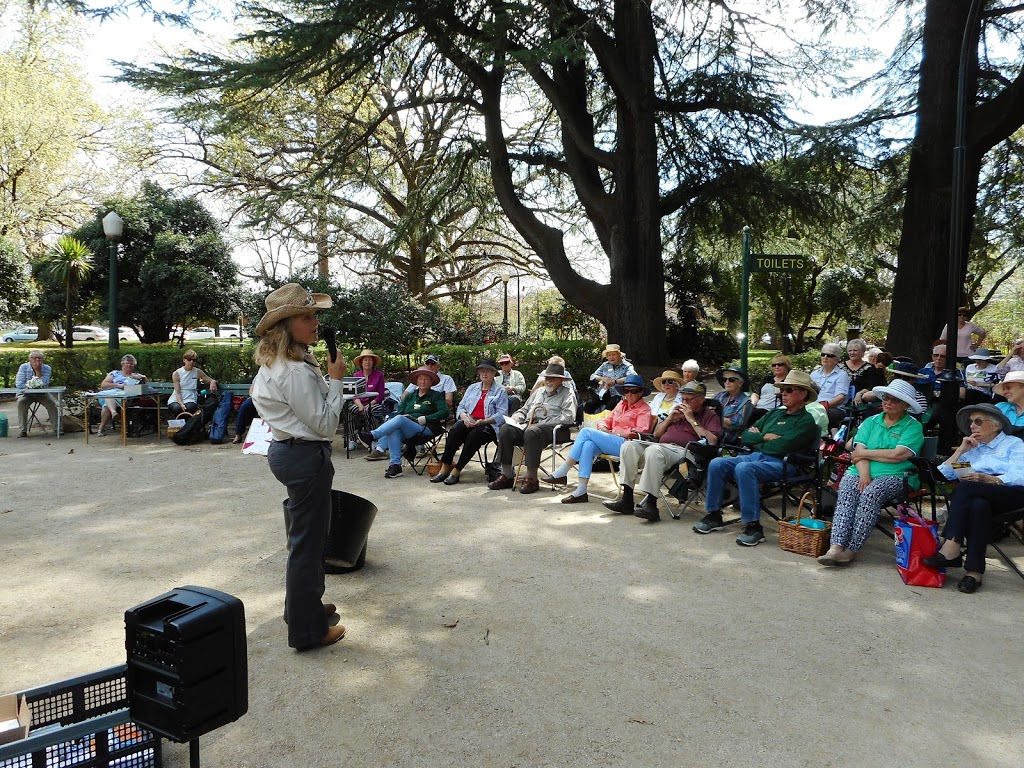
(14, 718)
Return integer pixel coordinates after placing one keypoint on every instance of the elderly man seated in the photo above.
(611, 372)
(779, 432)
(532, 427)
(688, 422)
(33, 375)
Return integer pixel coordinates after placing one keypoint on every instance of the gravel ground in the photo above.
(495, 629)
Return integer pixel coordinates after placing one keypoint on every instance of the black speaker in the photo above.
(187, 668)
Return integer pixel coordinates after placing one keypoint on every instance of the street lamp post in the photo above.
(113, 228)
(505, 277)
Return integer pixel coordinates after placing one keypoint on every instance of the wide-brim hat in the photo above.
(659, 382)
(434, 378)
(963, 416)
(720, 375)
(983, 354)
(506, 358)
(488, 363)
(554, 371)
(906, 369)
(611, 348)
(287, 301)
(1013, 377)
(358, 360)
(801, 379)
(901, 390)
(633, 380)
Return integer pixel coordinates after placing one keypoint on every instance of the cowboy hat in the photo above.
(800, 379)
(963, 416)
(1013, 377)
(434, 378)
(287, 301)
(720, 375)
(633, 380)
(901, 390)
(906, 369)
(611, 348)
(358, 361)
(488, 363)
(554, 371)
(659, 383)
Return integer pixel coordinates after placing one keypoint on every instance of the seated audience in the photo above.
(863, 375)
(767, 397)
(532, 427)
(689, 422)
(117, 380)
(832, 382)
(512, 380)
(668, 396)
(981, 376)
(735, 402)
(991, 485)
(185, 397)
(365, 413)
(35, 374)
(907, 372)
(933, 373)
(421, 412)
(691, 371)
(541, 381)
(614, 370)
(480, 414)
(630, 417)
(445, 383)
(780, 432)
(881, 453)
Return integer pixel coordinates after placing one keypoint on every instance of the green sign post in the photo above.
(760, 262)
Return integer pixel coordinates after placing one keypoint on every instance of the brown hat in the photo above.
(801, 379)
(554, 371)
(659, 383)
(358, 361)
(434, 378)
(287, 301)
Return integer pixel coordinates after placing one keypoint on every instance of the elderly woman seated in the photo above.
(736, 403)
(480, 414)
(117, 379)
(881, 453)
(369, 411)
(991, 483)
(421, 413)
(981, 377)
(833, 383)
(668, 397)
(864, 375)
(768, 397)
(1012, 388)
(630, 417)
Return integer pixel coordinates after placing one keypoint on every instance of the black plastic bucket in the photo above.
(351, 519)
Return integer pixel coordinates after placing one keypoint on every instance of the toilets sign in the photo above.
(777, 262)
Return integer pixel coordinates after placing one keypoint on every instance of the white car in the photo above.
(197, 334)
(24, 333)
(229, 331)
(127, 334)
(89, 333)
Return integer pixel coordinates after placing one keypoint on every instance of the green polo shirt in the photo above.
(874, 435)
(796, 432)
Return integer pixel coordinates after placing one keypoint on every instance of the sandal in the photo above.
(239, 439)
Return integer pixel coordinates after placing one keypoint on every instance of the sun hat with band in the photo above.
(287, 301)
(434, 378)
(633, 380)
(611, 348)
(358, 361)
(800, 379)
(659, 383)
(901, 390)
(963, 417)
(1013, 377)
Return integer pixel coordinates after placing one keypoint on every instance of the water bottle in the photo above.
(840, 437)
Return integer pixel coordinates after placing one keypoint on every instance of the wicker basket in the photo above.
(794, 537)
(433, 464)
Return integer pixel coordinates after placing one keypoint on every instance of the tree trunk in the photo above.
(919, 293)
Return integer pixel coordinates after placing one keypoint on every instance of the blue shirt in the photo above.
(1003, 456)
(1011, 413)
(495, 406)
(831, 385)
(25, 373)
(620, 371)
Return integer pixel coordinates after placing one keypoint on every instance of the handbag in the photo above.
(916, 539)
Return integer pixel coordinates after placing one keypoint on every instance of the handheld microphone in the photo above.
(332, 344)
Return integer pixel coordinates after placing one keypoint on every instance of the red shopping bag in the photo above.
(916, 539)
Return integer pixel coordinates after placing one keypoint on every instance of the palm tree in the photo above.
(69, 262)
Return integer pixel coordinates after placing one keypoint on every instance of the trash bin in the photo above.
(351, 518)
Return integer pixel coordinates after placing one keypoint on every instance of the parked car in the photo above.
(229, 331)
(89, 333)
(127, 334)
(197, 334)
(24, 333)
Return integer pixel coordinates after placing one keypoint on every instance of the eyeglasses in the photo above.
(670, 383)
(977, 422)
(789, 390)
(730, 379)
(632, 390)
(891, 399)
(827, 354)
(778, 365)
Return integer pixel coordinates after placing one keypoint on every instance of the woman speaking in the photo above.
(303, 412)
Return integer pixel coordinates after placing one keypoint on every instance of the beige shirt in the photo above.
(296, 402)
(561, 407)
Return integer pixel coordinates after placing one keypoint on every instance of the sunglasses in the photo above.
(505, 362)
(938, 355)
(189, 359)
(827, 354)
(731, 379)
(977, 422)
(778, 365)
(789, 390)
(891, 399)
(632, 390)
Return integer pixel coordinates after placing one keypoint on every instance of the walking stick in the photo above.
(529, 423)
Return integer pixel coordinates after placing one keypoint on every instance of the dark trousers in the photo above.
(305, 469)
(534, 440)
(176, 410)
(470, 439)
(246, 413)
(970, 515)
